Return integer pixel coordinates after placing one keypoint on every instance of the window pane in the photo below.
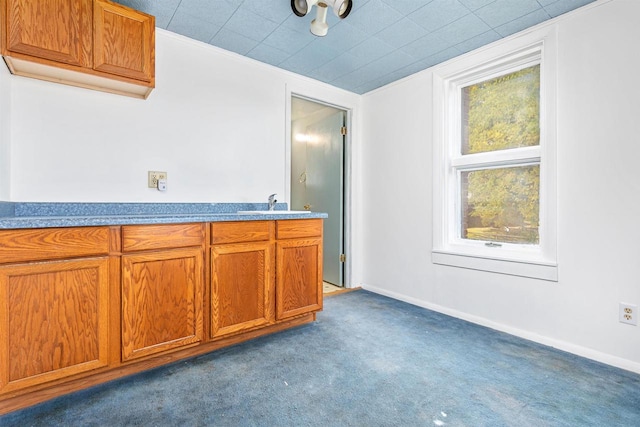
(502, 113)
(501, 205)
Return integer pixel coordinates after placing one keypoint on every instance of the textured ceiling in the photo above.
(379, 42)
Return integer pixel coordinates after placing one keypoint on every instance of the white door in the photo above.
(317, 175)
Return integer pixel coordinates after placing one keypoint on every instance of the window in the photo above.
(494, 160)
(500, 199)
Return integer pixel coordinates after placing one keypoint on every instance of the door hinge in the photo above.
(343, 258)
(343, 130)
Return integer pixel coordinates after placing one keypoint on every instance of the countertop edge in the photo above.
(8, 223)
(19, 215)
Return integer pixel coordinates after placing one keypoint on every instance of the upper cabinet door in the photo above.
(58, 30)
(124, 41)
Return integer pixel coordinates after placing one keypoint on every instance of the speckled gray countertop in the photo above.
(14, 215)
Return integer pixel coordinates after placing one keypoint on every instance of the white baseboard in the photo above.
(588, 353)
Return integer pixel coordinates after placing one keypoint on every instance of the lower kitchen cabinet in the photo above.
(162, 295)
(242, 281)
(83, 305)
(243, 272)
(298, 267)
(241, 287)
(299, 277)
(53, 320)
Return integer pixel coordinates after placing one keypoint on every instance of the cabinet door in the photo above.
(57, 30)
(161, 301)
(299, 277)
(241, 287)
(124, 41)
(53, 320)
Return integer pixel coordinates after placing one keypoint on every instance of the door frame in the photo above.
(348, 168)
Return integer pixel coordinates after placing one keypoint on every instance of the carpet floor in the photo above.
(367, 361)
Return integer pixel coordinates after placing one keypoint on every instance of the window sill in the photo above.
(534, 270)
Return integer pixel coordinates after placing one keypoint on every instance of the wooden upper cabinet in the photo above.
(124, 41)
(59, 30)
(94, 44)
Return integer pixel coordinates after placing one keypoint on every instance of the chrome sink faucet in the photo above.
(272, 201)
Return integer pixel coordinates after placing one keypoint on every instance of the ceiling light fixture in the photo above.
(319, 26)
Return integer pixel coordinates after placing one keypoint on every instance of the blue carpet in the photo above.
(368, 361)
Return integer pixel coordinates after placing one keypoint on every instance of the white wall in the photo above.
(216, 122)
(5, 132)
(598, 199)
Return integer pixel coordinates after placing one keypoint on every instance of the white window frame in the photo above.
(535, 261)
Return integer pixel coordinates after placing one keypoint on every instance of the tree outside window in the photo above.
(500, 203)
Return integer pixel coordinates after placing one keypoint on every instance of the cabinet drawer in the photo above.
(52, 243)
(240, 231)
(294, 228)
(147, 237)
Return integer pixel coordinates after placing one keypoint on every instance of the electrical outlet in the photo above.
(629, 314)
(154, 176)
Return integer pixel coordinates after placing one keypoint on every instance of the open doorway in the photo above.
(318, 142)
